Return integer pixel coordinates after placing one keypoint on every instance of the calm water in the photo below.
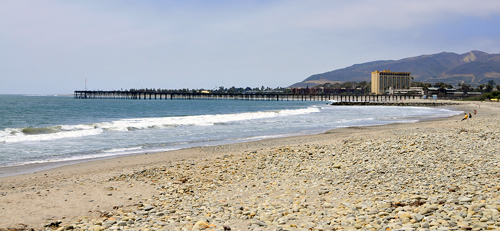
(45, 129)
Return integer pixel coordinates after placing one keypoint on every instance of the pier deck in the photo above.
(238, 96)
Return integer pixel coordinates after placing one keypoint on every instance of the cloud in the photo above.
(213, 43)
(386, 14)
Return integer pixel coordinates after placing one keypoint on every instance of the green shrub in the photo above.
(491, 95)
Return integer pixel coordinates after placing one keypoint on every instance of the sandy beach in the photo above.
(432, 175)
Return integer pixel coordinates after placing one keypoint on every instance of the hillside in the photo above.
(473, 68)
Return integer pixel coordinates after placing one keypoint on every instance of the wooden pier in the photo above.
(238, 96)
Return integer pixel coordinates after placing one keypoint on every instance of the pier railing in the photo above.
(238, 96)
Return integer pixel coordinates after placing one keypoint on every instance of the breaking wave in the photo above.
(12, 135)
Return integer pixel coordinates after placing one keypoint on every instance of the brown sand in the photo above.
(68, 192)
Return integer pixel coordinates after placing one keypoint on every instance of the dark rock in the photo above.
(54, 224)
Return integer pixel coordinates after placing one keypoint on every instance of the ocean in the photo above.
(54, 129)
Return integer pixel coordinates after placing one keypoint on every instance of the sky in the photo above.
(59, 46)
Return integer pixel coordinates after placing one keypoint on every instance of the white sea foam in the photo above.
(261, 137)
(345, 121)
(124, 150)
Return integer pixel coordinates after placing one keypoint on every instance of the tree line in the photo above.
(363, 86)
(220, 89)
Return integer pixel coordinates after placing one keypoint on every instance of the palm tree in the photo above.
(489, 87)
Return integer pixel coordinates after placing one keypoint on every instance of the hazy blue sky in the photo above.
(51, 47)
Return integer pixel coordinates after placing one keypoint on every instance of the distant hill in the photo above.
(473, 68)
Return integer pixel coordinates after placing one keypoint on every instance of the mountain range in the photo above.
(474, 68)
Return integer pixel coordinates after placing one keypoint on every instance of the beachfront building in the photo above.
(407, 91)
(383, 80)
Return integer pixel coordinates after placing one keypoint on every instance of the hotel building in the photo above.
(383, 80)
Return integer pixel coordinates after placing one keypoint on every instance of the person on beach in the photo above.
(465, 116)
(470, 115)
(475, 111)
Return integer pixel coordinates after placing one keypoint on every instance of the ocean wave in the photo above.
(13, 135)
(17, 135)
(45, 130)
(198, 120)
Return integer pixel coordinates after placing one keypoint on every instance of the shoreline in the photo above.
(79, 194)
(12, 171)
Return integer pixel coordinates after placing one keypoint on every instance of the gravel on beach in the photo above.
(444, 175)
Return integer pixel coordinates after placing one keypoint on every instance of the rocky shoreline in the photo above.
(437, 175)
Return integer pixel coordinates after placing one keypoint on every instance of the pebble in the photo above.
(439, 178)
